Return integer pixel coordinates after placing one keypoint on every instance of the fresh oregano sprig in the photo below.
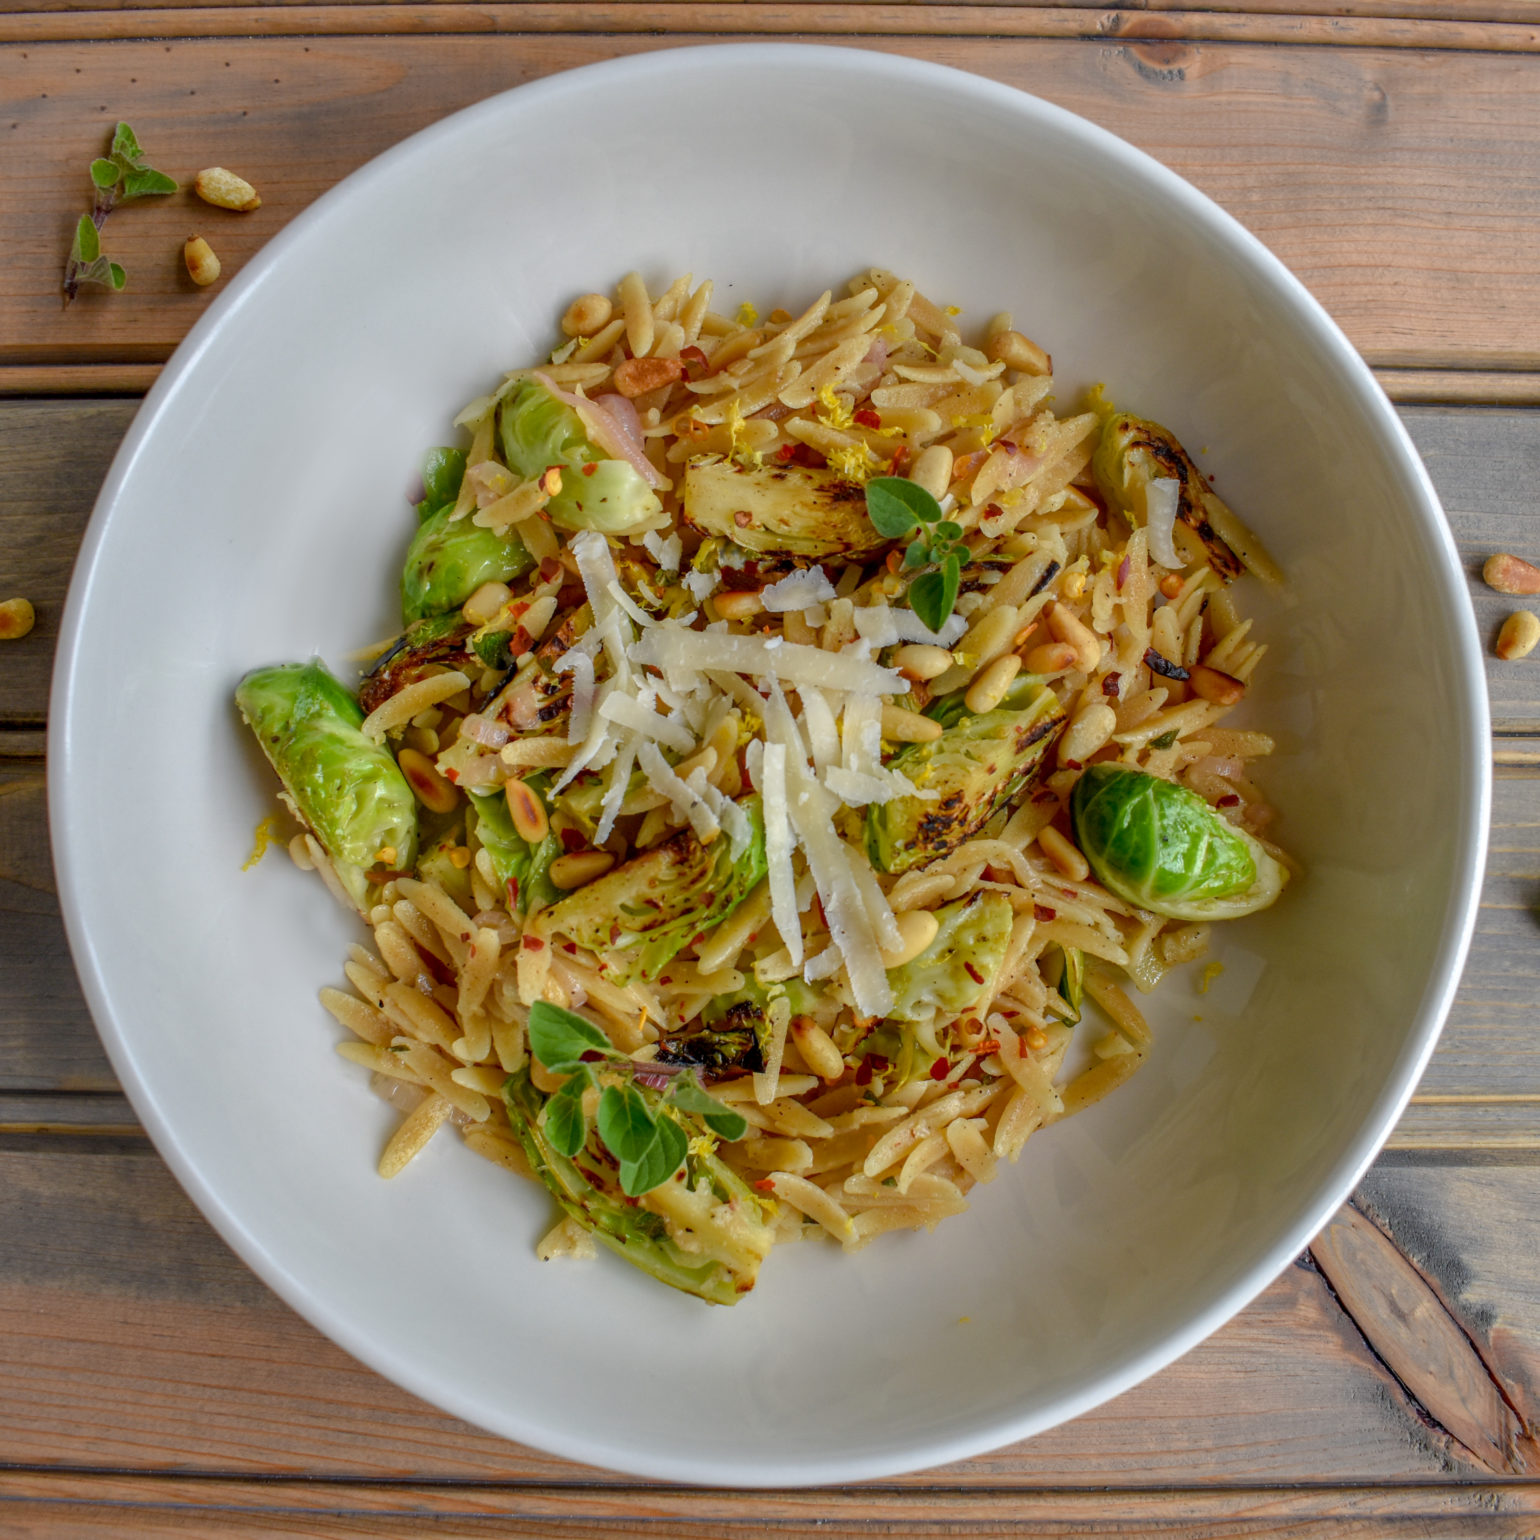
(117, 176)
(897, 507)
(644, 1138)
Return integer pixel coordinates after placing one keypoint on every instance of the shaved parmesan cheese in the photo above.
(876, 901)
(797, 591)
(1163, 498)
(884, 626)
(628, 604)
(856, 789)
(778, 847)
(637, 714)
(615, 793)
(701, 585)
(823, 737)
(665, 552)
(824, 966)
(675, 647)
(577, 663)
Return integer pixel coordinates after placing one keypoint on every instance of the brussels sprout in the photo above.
(440, 640)
(522, 869)
(435, 864)
(650, 909)
(449, 559)
(977, 766)
(951, 975)
(706, 1235)
(349, 790)
(1132, 453)
(1161, 847)
(781, 510)
(442, 472)
(1063, 969)
(733, 1030)
(537, 431)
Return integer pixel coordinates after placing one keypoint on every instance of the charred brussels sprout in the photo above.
(537, 431)
(442, 640)
(780, 510)
(645, 912)
(976, 766)
(348, 789)
(449, 559)
(1161, 847)
(706, 1235)
(952, 973)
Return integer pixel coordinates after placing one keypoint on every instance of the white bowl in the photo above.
(256, 512)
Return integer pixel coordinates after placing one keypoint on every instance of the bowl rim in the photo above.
(1472, 721)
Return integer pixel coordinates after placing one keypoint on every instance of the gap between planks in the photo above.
(1422, 387)
(706, 18)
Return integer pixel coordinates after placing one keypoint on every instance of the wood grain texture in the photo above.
(1369, 171)
(132, 1340)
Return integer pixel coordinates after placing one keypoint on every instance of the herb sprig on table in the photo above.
(641, 1132)
(119, 175)
(897, 507)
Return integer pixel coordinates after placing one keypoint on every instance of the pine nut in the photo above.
(202, 265)
(1068, 627)
(1510, 575)
(1090, 728)
(225, 190)
(636, 376)
(580, 867)
(900, 726)
(17, 617)
(526, 810)
(988, 689)
(933, 470)
(817, 1048)
(485, 603)
(587, 314)
(1050, 658)
(739, 604)
(1520, 632)
(917, 928)
(430, 788)
(537, 617)
(1064, 856)
(1171, 585)
(1018, 352)
(1072, 585)
(920, 661)
(1212, 685)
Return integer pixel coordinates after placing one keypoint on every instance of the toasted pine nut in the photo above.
(1072, 585)
(636, 376)
(933, 470)
(537, 617)
(1089, 729)
(920, 661)
(485, 603)
(1069, 627)
(527, 810)
(917, 928)
(202, 265)
(1017, 352)
(817, 1048)
(1211, 684)
(580, 867)
(17, 617)
(989, 687)
(431, 789)
(225, 190)
(1064, 856)
(550, 480)
(1510, 575)
(1171, 584)
(1520, 632)
(1050, 658)
(739, 604)
(587, 314)
(900, 726)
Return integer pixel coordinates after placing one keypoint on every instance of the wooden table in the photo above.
(1387, 1384)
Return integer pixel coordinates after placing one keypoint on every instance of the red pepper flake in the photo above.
(895, 561)
(1229, 800)
(989, 1045)
(590, 468)
(784, 454)
(973, 973)
(513, 891)
(569, 946)
(993, 511)
(1043, 912)
(1124, 568)
(867, 418)
(533, 944)
(940, 1070)
(899, 461)
(571, 840)
(520, 642)
(1110, 686)
(695, 361)
(451, 774)
(765, 1184)
(864, 1072)
(549, 568)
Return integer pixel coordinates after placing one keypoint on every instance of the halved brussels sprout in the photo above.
(448, 560)
(977, 765)
(537, 431)
(951, 975)
(1132, 453)
(349, 790)
(522, 869)
(440, 640)
(641, 914)
(782, 510)
(1161, 847)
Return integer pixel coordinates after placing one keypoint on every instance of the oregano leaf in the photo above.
(894, 504)
(146, 183)
(559, 1039)
(119, 277)
(927, 596)
(105, 173)
(719, 1118)
(125, 145)
(626, 1124)
(663, 1157)
(88, 242)
(566, 1128)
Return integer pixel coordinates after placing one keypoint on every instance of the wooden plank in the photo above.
(866, 18)
(62, 1507)
(78, 380)
(132, 1340)
(1367, 170)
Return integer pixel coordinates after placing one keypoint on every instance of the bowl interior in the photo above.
(259, 513)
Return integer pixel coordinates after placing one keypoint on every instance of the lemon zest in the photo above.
(747, 315)
(262, 836)
(1209, 974)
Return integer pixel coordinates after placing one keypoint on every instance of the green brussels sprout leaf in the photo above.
(449, 559)
(442, 472)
